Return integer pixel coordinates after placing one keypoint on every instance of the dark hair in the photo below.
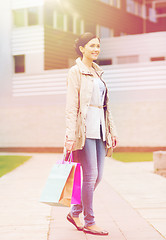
(83, 40)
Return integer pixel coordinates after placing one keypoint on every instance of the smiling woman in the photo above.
(90, 131)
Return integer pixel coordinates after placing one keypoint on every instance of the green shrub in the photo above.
(8, 163)
(133, 156)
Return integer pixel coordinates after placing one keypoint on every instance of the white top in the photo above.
(102, 88)
(95, 115)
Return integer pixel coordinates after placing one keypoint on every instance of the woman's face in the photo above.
(91, 50)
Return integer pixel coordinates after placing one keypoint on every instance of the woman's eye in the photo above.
(93, 45)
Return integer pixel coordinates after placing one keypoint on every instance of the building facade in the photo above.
(43, 32)
(36, 42)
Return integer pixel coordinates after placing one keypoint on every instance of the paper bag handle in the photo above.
(67, 156)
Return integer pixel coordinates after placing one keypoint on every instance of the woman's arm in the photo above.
(72, 107)
(112, 127)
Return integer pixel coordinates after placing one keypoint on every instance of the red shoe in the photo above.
(70, 219)
(94, 232)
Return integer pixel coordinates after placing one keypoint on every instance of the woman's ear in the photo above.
(81, 49)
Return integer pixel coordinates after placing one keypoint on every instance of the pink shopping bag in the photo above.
(76, 193)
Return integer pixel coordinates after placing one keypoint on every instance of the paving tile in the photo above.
(160, 225)
(60, 228)
(138, 185)
(127, 219)
(95, 237)
(153, 213)
(23, 232)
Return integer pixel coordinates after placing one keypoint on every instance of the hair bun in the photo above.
(76, 46)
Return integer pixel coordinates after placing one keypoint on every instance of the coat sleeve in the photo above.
(72, 103)
(112, 127)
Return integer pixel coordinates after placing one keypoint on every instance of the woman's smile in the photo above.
(95, 54)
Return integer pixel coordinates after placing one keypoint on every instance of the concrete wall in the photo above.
(36, 115)
(32, 126)
(6, 67)
(144, 46)
(140, 124)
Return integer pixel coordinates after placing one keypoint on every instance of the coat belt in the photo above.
(91, 105)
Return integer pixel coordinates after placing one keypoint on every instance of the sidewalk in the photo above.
(130, 203)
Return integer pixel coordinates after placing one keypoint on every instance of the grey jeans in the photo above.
(91, 158)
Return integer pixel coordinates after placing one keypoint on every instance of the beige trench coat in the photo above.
(79, 92)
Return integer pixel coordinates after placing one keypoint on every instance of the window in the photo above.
(152, 15)
(70, 23)
(103, 62)
(115, 3)
(19, 64)
(118, 3)
(130, 6)
(19, 17)
(90, 27)
(26, 17)
(48, 17)
(139, 10)
(105, 1)
(157, 59)
(128, 59)
(136, 8)
(78, 26)
(104, 32)
(33, 16)
(58, 20)
(144, 11)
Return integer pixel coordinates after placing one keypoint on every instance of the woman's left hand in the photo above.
(114, 142)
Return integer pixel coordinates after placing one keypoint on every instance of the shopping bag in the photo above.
(59, 185)
(76, 194)
(66, 196)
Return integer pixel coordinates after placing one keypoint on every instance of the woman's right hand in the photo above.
(69, 144)
(114, 142)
